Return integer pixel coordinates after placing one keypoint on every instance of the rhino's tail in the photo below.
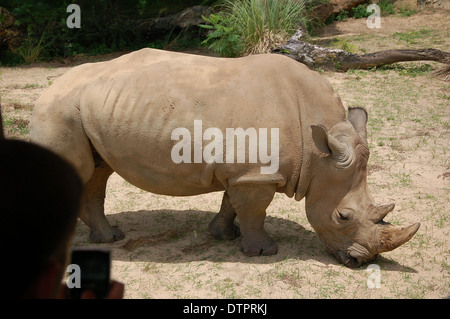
(59, 128)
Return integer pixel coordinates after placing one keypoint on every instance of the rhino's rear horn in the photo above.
(378, 212)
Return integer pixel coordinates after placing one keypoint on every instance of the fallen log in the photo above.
(315, 56)
(381, 58)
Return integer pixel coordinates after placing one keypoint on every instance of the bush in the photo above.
(225, 40)
(360, 11)
(342, 15)
(255, 26)
(46, 35)
(387, 7)
(31, 49)
(106, 26)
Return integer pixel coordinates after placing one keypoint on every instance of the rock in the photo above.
(439, 4)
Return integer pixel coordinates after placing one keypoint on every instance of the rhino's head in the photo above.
(338, 203)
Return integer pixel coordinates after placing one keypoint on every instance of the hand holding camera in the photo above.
(90, 278)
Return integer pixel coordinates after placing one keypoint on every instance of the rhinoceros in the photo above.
(120, 116)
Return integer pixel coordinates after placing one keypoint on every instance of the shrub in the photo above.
(260, 24)
(360, 11)
(387, 7)
(342, 15)
(106, 26)
(225, 40)
(31, 49)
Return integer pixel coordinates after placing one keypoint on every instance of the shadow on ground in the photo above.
(174, 236)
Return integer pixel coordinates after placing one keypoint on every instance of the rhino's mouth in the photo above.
(352, 255)
(350, 261)
(355, 255)
(347, 260)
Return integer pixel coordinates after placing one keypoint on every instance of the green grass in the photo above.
(31, 86)
(15, 126)
(345, 45)
(404, 179)
(413, 69)
(413, 36)
(405, 12)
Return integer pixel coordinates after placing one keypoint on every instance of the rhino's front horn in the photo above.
(392, 237)
(378, 212)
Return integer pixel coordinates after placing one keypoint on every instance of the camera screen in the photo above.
(95, 271)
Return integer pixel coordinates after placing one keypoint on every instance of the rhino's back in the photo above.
(129, 107)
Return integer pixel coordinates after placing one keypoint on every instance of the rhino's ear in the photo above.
(320, 138)
(328, 144)
(358, 117)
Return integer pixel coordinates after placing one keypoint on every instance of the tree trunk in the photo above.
(392, 56)
(334, 59)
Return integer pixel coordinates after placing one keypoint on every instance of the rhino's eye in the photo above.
(343, 216)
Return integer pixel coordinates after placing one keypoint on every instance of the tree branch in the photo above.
(315, 56)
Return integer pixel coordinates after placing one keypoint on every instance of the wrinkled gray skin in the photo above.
(119, 115)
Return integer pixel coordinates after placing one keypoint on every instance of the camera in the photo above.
(94, 266)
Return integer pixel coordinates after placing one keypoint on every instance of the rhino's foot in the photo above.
(223, 231)
(259, 245)
(222, 226)
(115, 234)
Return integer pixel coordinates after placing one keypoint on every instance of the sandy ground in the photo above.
(168, 252)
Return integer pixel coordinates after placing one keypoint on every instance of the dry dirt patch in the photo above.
(168, 252)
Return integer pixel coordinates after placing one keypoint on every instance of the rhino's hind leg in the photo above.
(250, 203)
(223, 226)
(93, 214)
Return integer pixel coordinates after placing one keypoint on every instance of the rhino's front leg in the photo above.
(223, 226)
(250, 202)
